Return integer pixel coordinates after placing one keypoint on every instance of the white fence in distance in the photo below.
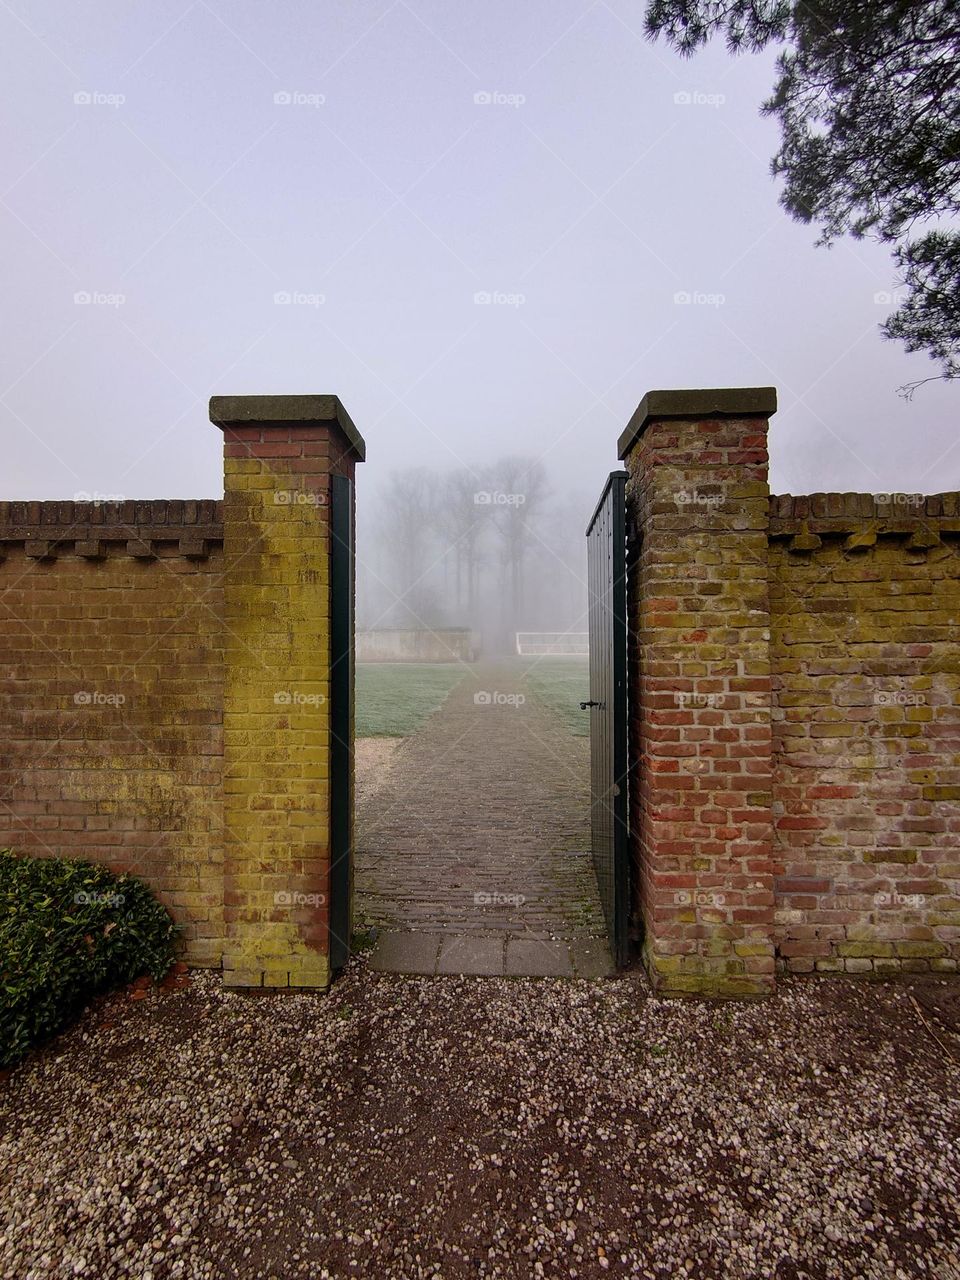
(553, 644)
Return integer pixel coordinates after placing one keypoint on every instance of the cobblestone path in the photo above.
(480, 838)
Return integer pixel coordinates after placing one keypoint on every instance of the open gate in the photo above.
(609, 814)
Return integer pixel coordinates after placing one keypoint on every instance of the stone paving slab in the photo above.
(462, 953)
(591, 959)
(407, 952)
(434, 954)
(536, 958)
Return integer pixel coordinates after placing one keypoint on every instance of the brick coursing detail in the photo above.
(795, 725)
(111, 701)
(700, 716)
(145, 651)
(276, 705)
(190, 527)
(795, 732)
(843, 508)
(866, 704)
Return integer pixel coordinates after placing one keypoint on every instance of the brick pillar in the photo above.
(279, 455)
(699, 619)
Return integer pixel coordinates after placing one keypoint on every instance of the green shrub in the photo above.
(67, 931)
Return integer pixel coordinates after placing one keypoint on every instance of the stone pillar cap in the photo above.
(285, 411)
(717, 402)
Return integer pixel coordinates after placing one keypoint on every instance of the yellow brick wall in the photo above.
(276, 707)
(865, 619)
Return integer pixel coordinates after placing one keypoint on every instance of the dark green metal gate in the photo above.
(607, 583)
(341, 717)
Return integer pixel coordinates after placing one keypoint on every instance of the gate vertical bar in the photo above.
(341, 718)
(606, 578)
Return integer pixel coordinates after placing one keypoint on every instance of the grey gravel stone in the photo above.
(485, 1127)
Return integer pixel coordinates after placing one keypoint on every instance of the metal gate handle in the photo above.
(584, 705)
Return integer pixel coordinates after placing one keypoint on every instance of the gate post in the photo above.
(699, 641)
(280, 454)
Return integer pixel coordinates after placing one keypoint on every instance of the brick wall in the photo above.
(280, 454)
(865, 605)
(700, 695)
(164, 690)
(795, 688)
(111, 695)
(795, 711)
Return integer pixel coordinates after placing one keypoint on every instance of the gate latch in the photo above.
(584, 705)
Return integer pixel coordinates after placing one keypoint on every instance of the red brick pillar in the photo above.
(280, 453)
(699, 619)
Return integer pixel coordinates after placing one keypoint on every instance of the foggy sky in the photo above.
(577, 192)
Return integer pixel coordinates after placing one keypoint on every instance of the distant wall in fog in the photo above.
(395, 644)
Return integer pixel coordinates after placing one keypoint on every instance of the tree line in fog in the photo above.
(493, 548)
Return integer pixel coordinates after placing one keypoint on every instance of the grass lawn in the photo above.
(562, 684)
(394, 698)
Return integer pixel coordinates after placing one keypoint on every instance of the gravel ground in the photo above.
(408, 1127)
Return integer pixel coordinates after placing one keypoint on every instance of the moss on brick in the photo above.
(905, 857)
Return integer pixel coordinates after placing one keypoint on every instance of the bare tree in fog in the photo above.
(490, 550)
(462, 531)
(518, 490)
(407, 533)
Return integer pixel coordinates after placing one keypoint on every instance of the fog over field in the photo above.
(496, 549)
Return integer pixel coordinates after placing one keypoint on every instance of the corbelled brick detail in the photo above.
(701, 781)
